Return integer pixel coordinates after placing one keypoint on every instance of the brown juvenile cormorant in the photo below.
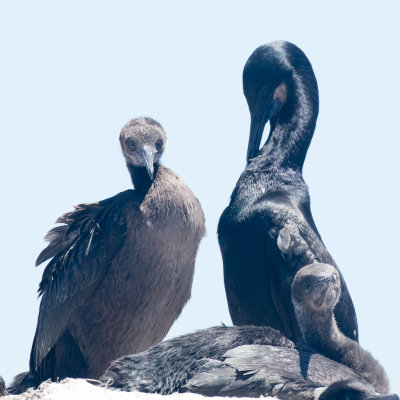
(252, 361)
(121, 270)
(267, 232)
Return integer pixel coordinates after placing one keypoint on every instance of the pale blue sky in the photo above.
(72, 73)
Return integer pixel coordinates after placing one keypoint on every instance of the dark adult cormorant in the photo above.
(253, 361)
(121, 270)
(267, 232)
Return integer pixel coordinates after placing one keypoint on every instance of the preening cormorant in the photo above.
(267, 232)
(259, 360)
(121, 270)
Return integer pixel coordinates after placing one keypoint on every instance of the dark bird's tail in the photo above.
(22, 382)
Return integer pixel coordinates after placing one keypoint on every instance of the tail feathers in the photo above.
(22, 382)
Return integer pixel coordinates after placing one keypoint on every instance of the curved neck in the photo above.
(293, 127)
(140, 177)
(322, 333)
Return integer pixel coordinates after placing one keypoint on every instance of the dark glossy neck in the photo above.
(140, 177)
(293, 128)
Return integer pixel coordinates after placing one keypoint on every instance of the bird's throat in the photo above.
(140, 177)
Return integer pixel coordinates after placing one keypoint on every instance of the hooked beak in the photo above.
(326, 280)
(258, 121)
(147, 158)
(330, 279)
(323, 285)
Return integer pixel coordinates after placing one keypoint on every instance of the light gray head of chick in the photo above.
(143, 142)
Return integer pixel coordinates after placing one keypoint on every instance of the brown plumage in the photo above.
(121, 270)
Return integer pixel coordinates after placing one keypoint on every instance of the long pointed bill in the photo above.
(147, 157)
(256, 131)
(257, 125)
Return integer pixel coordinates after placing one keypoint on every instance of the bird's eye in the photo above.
(307, 284)
(131, 145)
(159, 144)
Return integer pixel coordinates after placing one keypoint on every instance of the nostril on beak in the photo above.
(334, 278)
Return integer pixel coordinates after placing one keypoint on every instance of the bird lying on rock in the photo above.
(252, 361)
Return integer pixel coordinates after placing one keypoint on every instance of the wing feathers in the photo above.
(81, 251)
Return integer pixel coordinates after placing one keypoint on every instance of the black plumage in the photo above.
(3, 390)
(233, 361)
(253, 361)
(260, 370)
(352, 389)
(168, 366)
(121, 270)
(267, 232)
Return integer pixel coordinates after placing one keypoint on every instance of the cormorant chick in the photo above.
(267, 232)
(121, 270)
(253, 361)
(315, 293)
